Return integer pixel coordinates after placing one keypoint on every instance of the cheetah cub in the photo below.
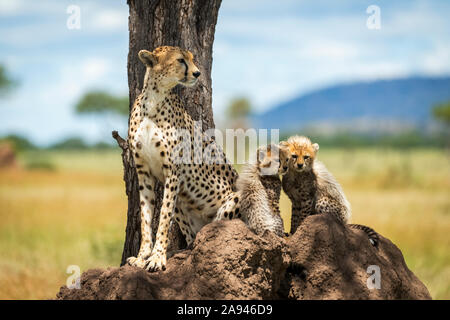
(312, 189)
(259, 188)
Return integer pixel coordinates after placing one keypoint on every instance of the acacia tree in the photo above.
(189, 24)
(100, 102)
(441, 112)
(6, 83)
(238, 113)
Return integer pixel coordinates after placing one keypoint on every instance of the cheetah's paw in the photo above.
(156, 262)
(136, 262)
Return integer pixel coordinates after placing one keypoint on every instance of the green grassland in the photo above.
(69, 208)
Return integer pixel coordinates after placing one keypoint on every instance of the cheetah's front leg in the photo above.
(298, 215)
(147, 208)
(185, 225)
(157, 260)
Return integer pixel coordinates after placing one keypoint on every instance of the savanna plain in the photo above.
(62, 208)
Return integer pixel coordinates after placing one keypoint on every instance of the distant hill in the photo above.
(385, 102)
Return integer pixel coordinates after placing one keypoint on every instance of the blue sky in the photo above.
(269, 51)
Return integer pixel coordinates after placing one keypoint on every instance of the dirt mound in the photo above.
(322, 260)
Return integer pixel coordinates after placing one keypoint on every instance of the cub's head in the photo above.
(272, 160)
(168, 66)
(301, 152)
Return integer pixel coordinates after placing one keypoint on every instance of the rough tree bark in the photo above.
(189, 24)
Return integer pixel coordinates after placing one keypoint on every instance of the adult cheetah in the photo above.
(168, 146)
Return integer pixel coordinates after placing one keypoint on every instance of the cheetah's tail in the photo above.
(372, 234)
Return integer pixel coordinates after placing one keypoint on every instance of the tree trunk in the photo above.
(189, 24)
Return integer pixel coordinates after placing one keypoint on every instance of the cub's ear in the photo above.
(147, 58)
(283, 147)
(272, 148)
(263, 156)
(261, 153)
(315, 147)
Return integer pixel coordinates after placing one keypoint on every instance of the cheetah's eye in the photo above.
(181, 60)
(294, 156)
(306, 157)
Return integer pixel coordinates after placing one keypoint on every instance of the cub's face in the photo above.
(284, 160)
(301, 155)
(272, 160)
(170, 66)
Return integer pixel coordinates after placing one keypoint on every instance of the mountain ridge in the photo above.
(404, 100)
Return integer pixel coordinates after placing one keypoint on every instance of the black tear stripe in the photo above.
(185, 64)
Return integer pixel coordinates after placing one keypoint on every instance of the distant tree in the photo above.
(102, 102)
(70, 144)
(103, 146)
(238, 112)
(19, 143)
(441, 112)
(239, 108)
(6, 83)
(109, 107)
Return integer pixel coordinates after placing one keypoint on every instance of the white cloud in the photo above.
(417, 18)
(111, 20)
(330, 50)
(267, 50)
(271, 57)
(26, 7)
(95, 68)
(11, 7)
(437, 61)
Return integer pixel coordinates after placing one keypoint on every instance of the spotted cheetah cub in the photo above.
(259, 188)
(312, 189)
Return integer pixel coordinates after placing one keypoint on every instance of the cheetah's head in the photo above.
(301, 152)
(169, 66)
(272, 160)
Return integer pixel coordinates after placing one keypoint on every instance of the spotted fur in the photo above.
(193, 190)
(258, 192)
(311, 188)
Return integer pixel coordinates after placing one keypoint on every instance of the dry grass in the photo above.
(75, 213)
(404, 195)
(49, 220)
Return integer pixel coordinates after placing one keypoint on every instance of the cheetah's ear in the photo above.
(262, 157)
(260, 154)
(147, 58)
(271, 148)
(283, 146)
(315, 147)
